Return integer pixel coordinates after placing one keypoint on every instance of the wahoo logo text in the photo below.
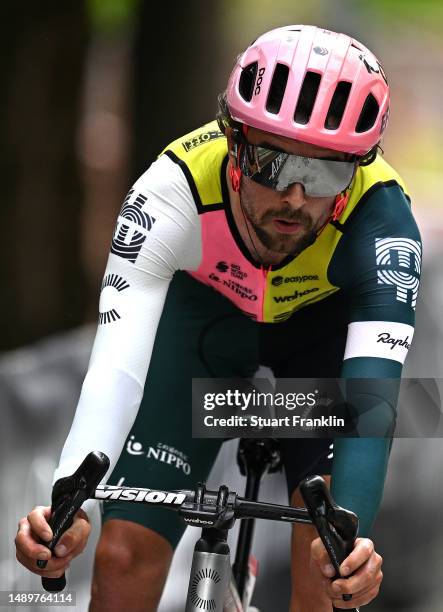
(197, 521)
(297, 294)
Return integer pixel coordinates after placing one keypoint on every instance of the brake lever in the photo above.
(336, 526)
(68, 495)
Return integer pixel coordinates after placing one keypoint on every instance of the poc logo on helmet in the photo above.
(257, 89)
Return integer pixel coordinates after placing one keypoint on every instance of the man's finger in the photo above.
(75, 537)
(363, 579)
(363, 549)
(357, 601)
(27, 545)
(38, 519)
(321, 558)
(53, 566)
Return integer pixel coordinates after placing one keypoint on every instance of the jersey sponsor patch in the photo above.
(200, 139)
(133, 225)
(399, 264)
(294, 296)
(278, 280)
(112, 285)
(241, 290)
(160, 452)
(385, 339)
(233, 269)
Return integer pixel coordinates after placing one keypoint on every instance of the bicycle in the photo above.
(213, 584)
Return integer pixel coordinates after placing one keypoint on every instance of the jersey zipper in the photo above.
(264, 280)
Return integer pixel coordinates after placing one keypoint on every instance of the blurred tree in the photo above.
(176, 59)
(148, 81)
(43, 50)
(113, 15)
(427, 13)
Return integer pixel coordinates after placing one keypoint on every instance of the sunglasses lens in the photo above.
(278, 170)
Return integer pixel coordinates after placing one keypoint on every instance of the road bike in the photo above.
(214, 585)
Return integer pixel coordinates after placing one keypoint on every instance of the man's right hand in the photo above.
(34, 527)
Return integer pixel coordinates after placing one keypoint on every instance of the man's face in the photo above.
(286, 222)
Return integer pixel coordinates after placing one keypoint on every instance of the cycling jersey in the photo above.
(270, 294)
(177, 216)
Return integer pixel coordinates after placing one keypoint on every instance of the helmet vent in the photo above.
(307, 97)
(338, 105)
(247, 80)
(277, 89)
(368, 114)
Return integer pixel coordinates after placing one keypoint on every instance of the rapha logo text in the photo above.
(386, 338)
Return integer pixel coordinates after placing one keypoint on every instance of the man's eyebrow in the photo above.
(268, 145)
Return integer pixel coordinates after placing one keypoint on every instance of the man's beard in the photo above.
(286, 244)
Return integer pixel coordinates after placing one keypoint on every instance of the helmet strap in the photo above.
(341, 201)
(235, 176)
(234, 169)
(340, 204)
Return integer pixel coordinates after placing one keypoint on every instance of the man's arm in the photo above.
(157, 233)
(380, 253)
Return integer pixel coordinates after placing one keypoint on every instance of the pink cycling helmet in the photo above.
(313, 85)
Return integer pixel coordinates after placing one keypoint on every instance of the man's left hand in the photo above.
(365, 566)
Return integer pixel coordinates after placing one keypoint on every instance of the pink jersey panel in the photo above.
(226, 269)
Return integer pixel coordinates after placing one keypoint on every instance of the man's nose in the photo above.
(294, 195)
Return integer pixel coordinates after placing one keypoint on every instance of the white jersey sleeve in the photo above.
(157, 233)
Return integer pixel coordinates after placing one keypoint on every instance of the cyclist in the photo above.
(278, 236)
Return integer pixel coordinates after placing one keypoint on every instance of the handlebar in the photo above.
(336, 526)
